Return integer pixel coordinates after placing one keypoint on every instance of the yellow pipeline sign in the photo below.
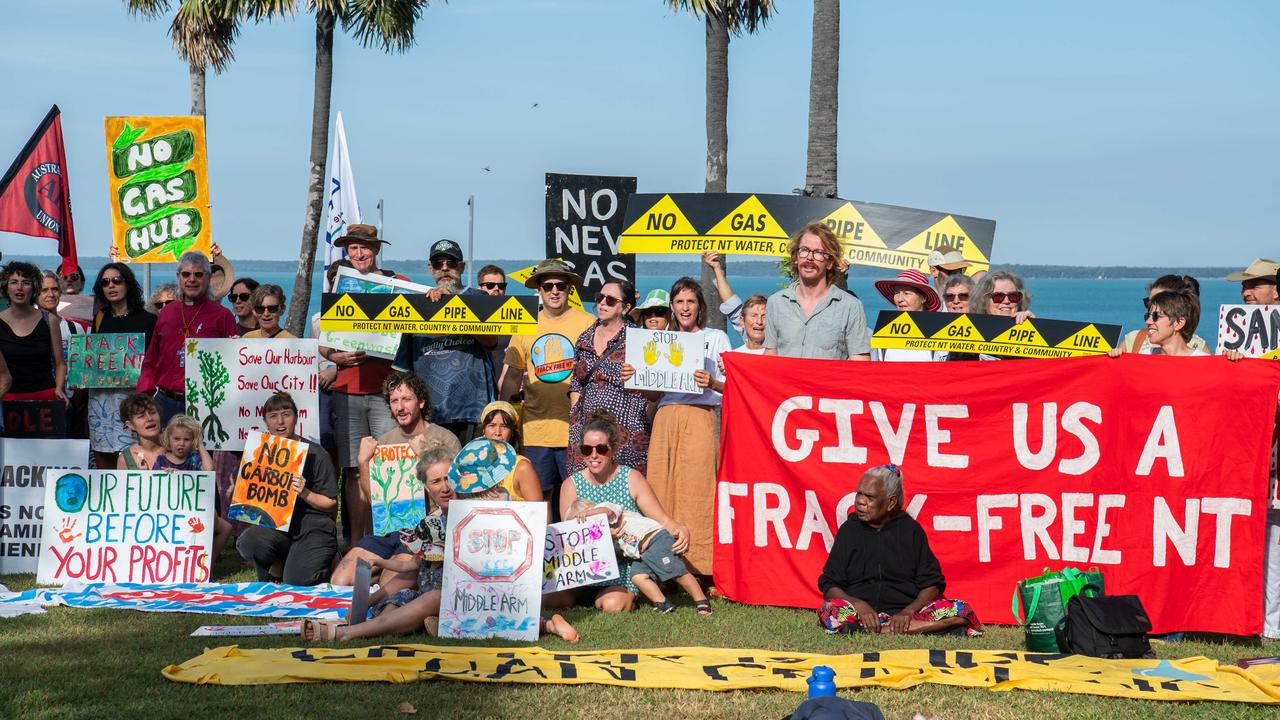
(700, 668)
(872, 234)
(992, 335)
(472, 314)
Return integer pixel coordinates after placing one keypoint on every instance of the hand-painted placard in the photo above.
(584, 224)
(105, 360)
(377, 344)
(578, 553)
(127, 526)
(395, 491)
(229, 380)
(492, 580)
(992, 334)
(35, 419)
(664, 360)
(264, 494)
(872, 234)
(472, 314)
(1252, 330)
(157, 173)
(26, 465)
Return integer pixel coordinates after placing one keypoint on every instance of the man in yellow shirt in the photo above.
(545, 363)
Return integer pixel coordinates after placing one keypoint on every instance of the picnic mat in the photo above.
(700, 668)
(255, 599)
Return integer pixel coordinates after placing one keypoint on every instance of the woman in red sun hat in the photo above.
(909, 292)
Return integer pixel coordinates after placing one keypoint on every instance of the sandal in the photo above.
(322, 631)
(704, 607)
(664, 607)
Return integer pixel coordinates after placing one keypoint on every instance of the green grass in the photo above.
(69, 664)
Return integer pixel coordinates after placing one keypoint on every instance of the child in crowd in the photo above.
(184, 451)
(650, 545)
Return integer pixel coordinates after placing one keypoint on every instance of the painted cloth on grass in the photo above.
(837, 616)
(257, 599)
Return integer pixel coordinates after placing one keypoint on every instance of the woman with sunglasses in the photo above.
(956, 291)
(999, 292)
(1139, 341)
(162, 296)
(118, 308)
(267, 302)
(599, 355)
(1171, 321)
(241, 297)
(602, 480)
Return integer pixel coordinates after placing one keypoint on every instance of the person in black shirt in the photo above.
(881, 575)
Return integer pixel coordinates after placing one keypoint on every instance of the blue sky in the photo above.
(1093, 132)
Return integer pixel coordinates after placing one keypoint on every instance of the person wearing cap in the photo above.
(358, 408)
(1258, 282)
(547, 359)
(654, 312)
(499, 421)
(909, 292)
(813, 318)
(458, 369)
(945, 261)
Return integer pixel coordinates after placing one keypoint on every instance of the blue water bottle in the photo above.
(822, 682)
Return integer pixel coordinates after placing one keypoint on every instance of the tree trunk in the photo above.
(197, 88)
(301, 299)
(824, 79)
(717, 143)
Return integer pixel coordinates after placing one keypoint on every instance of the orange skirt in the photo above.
(683, 456)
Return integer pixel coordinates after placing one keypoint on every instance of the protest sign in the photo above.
(523, 274)
(578, 553)
(992, 334)
(26, 464)
(35, 419)
(584, 224)
(264, 494)
(1252, 330)
(664, 360)
(158, 178)
(1119, 463)
(395, 491)
(228, 380)
(492, 585)
(105, 360)
(871, 234)
(127, 526)
(377, 344)
(473, 314)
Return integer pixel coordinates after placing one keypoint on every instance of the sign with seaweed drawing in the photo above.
(157, 172)
(229, 380)
(264, 483)
(493, 570)
(395, 491)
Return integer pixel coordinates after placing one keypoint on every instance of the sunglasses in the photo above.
(264, 309)
(607, 300)
(239, 297)
(956, 297)
(494, 285)
(160, 305)
(73, 277)
(192, 274)
(110, 281)
(1013, 297)
(442, 263)
(1154, 316)
(589, 450)
(653, 312)
(554, 286)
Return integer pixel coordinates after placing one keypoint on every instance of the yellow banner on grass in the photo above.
(700, 668)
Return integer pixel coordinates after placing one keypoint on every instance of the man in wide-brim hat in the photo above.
(1258, 282)
(362, 244)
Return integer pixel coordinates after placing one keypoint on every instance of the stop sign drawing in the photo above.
(493, 544)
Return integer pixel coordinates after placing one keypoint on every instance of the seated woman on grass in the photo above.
(882, 556)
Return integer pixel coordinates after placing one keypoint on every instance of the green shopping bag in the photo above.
(1045, 599)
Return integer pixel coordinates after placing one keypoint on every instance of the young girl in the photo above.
(182, 450)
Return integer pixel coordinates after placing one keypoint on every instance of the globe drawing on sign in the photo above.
(250, 514)
(70, 492)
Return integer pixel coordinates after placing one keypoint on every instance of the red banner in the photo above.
(35, 195)
(1152, 469)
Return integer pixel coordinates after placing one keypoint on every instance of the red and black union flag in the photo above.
(35, 195)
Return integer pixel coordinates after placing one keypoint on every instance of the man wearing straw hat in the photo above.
(1258, 282)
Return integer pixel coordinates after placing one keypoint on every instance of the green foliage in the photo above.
(192, 408)
(213, 389)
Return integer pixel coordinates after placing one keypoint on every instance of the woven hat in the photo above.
(360, 233)
(947, 258)
(1258, 269)
(552, 267)
(655, 299)
(482, 464)
(915, 279)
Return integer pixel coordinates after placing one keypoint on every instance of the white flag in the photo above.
(343, 208)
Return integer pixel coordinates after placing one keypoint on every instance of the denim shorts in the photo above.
(659, 560)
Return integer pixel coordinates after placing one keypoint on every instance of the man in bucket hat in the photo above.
(1258, 282)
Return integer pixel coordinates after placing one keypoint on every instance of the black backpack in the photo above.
(1105, 626)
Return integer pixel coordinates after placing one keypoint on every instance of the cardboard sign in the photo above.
(35, 419)
(26, 464)
(578, 553)
(383, 344)
(492, 583)
(664, 360)
(157, 173)
(1253, 330)
(105, 360)
(127, 526)
(992, 334)
(264, 494)
(872, 234)
(395, 491)
(229, 379)
(476, 314)
(523, 274)
(584, 225)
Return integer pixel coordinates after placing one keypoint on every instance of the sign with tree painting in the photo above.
(228, 380)
(157, 172)
(395, 491)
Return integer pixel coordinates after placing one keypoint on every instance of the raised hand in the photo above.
(676, 354)
(196, 526)
(66, 532)
(554, 351)
(650, 352)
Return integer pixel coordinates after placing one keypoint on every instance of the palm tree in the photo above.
(722, 17)
(824, 100)
(385, 23)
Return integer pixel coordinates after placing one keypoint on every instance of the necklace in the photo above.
(186, 326)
